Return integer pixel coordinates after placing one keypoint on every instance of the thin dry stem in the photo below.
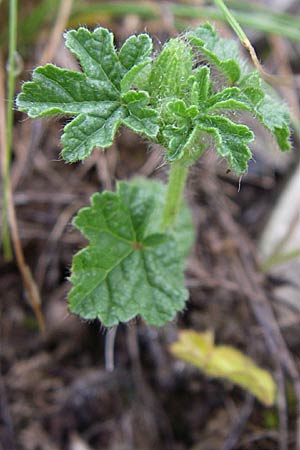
(288, 81)
(28, 281)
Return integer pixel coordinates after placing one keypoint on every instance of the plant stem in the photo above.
(28, 282)
(231, 20)
(244, 40)
(177, 177)
(13, 6)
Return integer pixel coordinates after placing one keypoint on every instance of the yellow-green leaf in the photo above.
(224, 361)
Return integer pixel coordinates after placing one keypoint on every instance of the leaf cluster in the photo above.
(170, 99)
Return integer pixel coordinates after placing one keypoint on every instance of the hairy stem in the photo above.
(177, 177)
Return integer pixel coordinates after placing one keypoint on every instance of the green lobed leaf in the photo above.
(88, 131)
(250, 84)
(201, 85)
(178, 127)
(95, 95)
(128, 268)
(273, 114)
(133, 77)
(61, 91)
(185, 135)
(97, 55)
(229, 98)
(267, 108)
(222, 53)
(135, 50)
(141, 119)
(231, 140)
(134, 56)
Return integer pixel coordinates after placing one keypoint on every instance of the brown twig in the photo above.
(291, 81)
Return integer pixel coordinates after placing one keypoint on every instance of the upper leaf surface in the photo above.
(94, 95)
(229, 98)
(60, 91)
(135, 50)
(231, 139)
(127, 268)
(88, 131)
(141, 119)
(268, 108)
(97, 55)
(134, 56)
(273, 114)
(223, 53)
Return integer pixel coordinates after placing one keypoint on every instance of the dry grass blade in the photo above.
(28, 281)
(269, 78)
(287, 81)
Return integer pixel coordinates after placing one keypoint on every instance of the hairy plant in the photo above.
(140, 235)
